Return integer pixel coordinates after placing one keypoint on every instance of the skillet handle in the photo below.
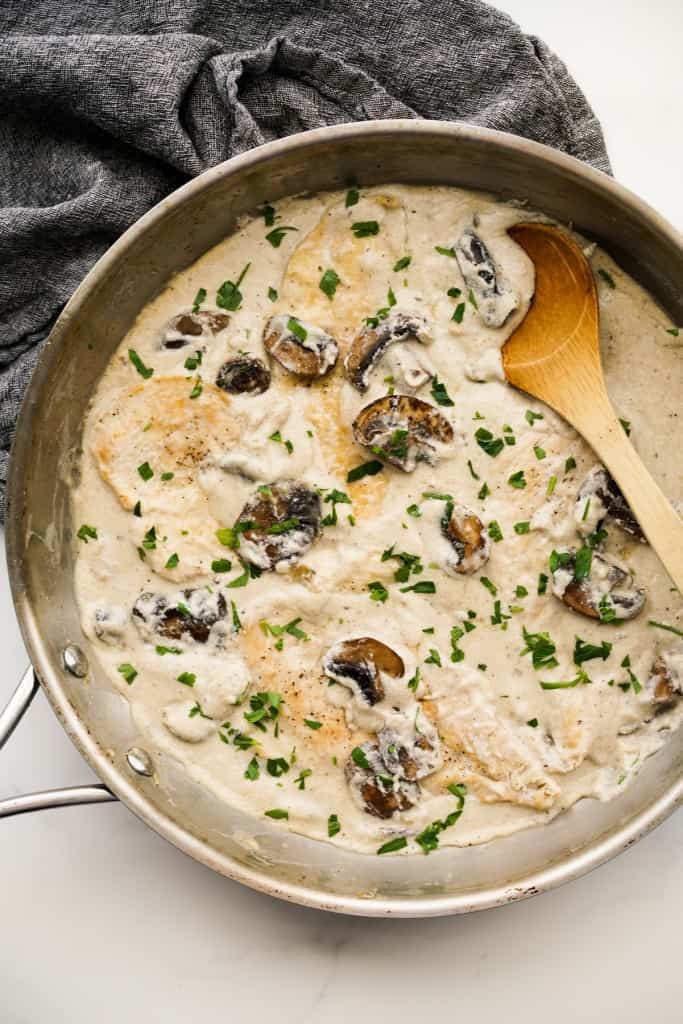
(9, 719)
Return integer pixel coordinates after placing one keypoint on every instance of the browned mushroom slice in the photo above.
(358, 664)
(244, 375)
(192, 613)
(411, 759)
(374, 339)
(278, 524)
(494, 303)
(191, 328)
(599, 498)
(403, 430)
(605, 592)
(374, 788)
(468, 538)
(665, 682)
(299, 347)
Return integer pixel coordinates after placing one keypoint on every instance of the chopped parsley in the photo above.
(172, 561)
(352, 197)
(582, 562)
(277, 234)
(673, 331)
(414, 680)
(587, 652)
(626, 424)
(265, 707)
(333, 826)
(533, 722)
(414, 511)
(473, 472)
(444, 251)
(456, 635)
(523, 527)
(570, 463)
(272, 294)
(422, 587)
(663, 625)
(252, 770)
(494, 531)
(221, 565)
(127, 671)
(304, 774)
(402, 263)
(487, 442)
(541, 648)
(192, 362)
(557, 559)
(378, 592)
(365, 469)
(428, 839)
(454, 293)
(268, 213)
(144, 371)
(552, 483)
(483, 491)
(229, 295)
(86, 533)
(146, 471)
(539, 452)
(471, 299)
(312, 724)
(198, 299)
(277, 766)
(393, 845)
(236, 621)
(408, 563)
(276, 812)
(161, 649)
(187, 678)
(542, 583)
(580, 679)
(197, 389)
(359, 757)
(328, 282)
(137, 509)
(530, 416)
(365, 228)
(440, 394)
(291, 628)
(458, 313)
(149, 541)
(491, 587)
(335, 497)
(517, 480)
(607, 277)
(521, 591)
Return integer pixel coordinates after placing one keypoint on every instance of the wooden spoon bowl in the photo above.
(554, 355)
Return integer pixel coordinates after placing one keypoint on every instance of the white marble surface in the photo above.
(100, 920)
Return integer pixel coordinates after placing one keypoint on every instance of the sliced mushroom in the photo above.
(374, 787)
(191, 613)
(468, 538)
(403, 430)
(411, 759)
(665, 681)
(481, 276)
(244, 375)
(299, 347)
(606, 593)
(599, 498)
(358, 664)
(374, 339)
(278, 524)
(190, 328)
(109, 623)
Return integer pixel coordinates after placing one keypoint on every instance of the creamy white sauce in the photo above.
(587, 740)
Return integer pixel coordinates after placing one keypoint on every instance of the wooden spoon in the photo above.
(554, 355)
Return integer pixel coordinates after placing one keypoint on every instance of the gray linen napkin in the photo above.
(106, 106)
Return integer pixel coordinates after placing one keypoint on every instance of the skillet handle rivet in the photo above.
(139, 761)
(75, 661)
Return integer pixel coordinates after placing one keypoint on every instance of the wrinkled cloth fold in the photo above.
(106, 106)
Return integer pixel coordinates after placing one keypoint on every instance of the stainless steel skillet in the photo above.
(40, 533)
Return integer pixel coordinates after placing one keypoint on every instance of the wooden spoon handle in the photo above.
(660, 523)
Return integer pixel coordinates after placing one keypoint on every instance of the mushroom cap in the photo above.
(308, 352)
(244, 375)
(278, 524)
(606, 583)
(599, 486)
(478, 268)
(468, 537)
(359, 663)
(378, 791)
(188, 327)
(403, 430)
(374, 339)
(193, 612)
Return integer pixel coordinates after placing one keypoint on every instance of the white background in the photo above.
(102, 921)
